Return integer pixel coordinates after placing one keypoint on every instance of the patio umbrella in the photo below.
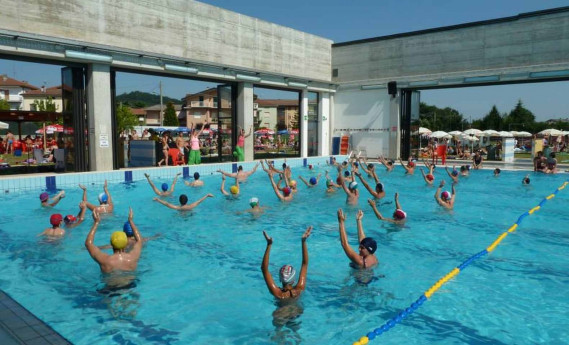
(565, 132)
(521, 134)
(473, 131)
(472, 139)
(421, 131)
(3, 125)
(182, 129)
(455, 133)
(505, 134)
(551, 131)
(284, 131)
(490, 133)
(439, 134)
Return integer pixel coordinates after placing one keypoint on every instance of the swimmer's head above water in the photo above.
(164, 187)
(103, 198)
(119, 240)
(253, 202)
(128, 229)
(369, 244)
(56, 219)
(399, 214)
(287, 274)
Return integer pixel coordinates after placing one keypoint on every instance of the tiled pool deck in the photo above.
(19, 327)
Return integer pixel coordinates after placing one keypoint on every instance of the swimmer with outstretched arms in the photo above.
(368, 168)
(56, 230)
(331, 186)
(312, 182)
(105, 201)
(453, 175)
(429, 178)
(240, 174)
(388, 164)
(288, 183)
(72, 221)
(286, 194)
(379, 191)
(445, 199)
(45, 202)
(165, 191)
(287, 273)
(120, 260)
(234, 189)
(409, 168)
(127, 229)
(196, 182)
(365, 257)
(352, 192)
(183, 202)
(399, 216)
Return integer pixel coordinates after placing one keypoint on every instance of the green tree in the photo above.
(125, 118)
(4, 105)
(46, 105)
(519, 119)
(437, 119)
(170, 118)
(492, 120)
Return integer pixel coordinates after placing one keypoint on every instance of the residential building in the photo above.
(199, 107)
(279, 113)
(153, 114)
(11, 90)
(32, 97)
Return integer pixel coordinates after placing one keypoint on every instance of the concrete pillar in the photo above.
(99, 117)
(245, 116)
(303, 122)
(395, 130)
(331, 124)
(324, 119)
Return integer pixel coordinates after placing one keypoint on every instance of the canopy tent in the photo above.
(264, 131)
(182, 130)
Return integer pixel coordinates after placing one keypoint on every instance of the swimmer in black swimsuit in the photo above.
(477, 161)
(366, 257)
(287, 272)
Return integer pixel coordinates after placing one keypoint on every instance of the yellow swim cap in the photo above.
(119, 240)
(292, 183)
(234, 189)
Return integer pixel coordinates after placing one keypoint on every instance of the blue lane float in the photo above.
(415, 305)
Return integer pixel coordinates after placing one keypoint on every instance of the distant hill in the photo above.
(137, 99)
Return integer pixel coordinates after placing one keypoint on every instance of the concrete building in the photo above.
(350, 79)
(11, 90)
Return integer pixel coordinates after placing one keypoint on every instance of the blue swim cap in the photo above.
(164, 187)
(313, 180)
(103, 198)
(128, 229)
(346, 173)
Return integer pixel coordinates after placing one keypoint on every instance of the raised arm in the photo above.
(303, 180)
(453, 193)
(174, 182)
(226, 173)
(106, 189)
(250, 131)
(94, 251)
(152, 184)
(397, 204)
(375, 210)
(223, 185)
(203, 127)
(275, 188)
(438, 192)
(196, 203)
(361, 233)
(403, 165)
(137, 248)
(252, 171)
(350, 253)
(366, 185)
(273, 288)
(304, 268)
(80, 216)
(167, 204)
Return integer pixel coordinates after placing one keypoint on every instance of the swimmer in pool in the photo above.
(234, 189)
(351, 189)
(379, 191)
(453, 175)
(197, 182)
(312, 182)
(430, 166)
(287, 273)
(183, 202)
(105, 201)
(388, 164)
(525, 180)
(120, 260)
(368, 168)
(464, 170)
(445, 199)
(56, 220)
(331, 186)
(165, 191)
(72, 221)
(127, 228)
(45, 202)
(365, 258)
(240, 174)
(409, 168)
(286, 194)
(429, 178)
(497, 172)
(399, 216)
(256, 208)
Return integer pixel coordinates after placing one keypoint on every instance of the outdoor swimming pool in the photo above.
(201, 283)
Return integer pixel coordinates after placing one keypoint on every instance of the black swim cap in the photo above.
(370, 166)
(183, 199)
(379, 187)
(239, 168)
(369, 244)
(196, 175)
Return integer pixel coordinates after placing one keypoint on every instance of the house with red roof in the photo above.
(11, 90)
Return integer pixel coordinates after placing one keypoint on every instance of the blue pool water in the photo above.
(201, 283)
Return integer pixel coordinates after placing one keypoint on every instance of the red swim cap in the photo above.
(430, 177)
(286, 191)
(55, 219)
(399, 214)
(411, 164)
(69, 219)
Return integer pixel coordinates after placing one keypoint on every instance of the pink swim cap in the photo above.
(399, 214)
(445, 195)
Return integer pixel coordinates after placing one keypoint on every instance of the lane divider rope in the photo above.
(455, 271)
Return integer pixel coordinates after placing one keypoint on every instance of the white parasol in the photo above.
(521, 134)
(551, 131)
(490, 133)
(473, 131)
(505, 134)
(439, 134)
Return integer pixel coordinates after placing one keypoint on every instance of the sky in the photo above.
(343, 21)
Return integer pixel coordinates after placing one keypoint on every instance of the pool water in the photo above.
(201, 283)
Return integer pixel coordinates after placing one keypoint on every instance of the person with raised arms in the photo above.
(286, 194)
(388, 164)
(287, 273)
(365, 257)
(399, 216)
(352, 192)
(379, 191)
(183, 202)
(409, 168)
(312, 182)
(453, 175)
(429, 178)
(445, 199)
(72, 221)
(234, 189)
(165, 191)
(331, 186)
(45, 202)
(105, 201)
(240, 174)
(120, 260)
